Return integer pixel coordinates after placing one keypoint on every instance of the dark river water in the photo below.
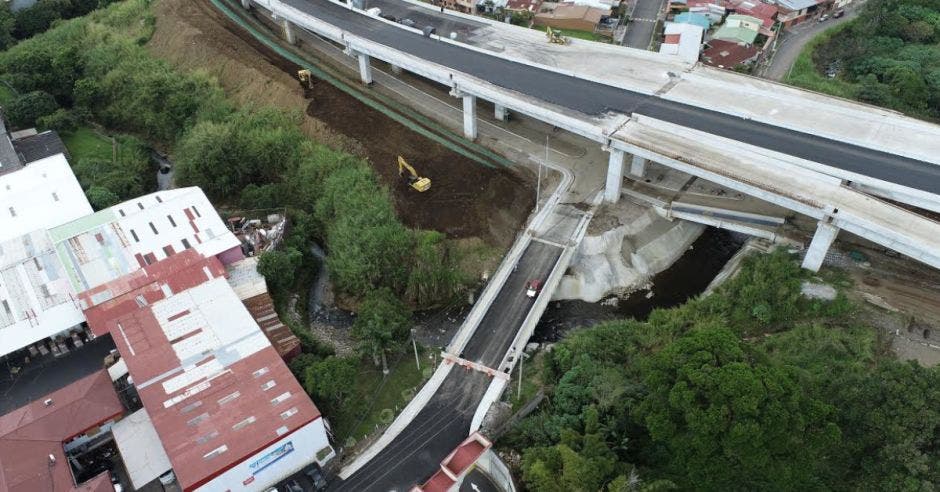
(688, 277)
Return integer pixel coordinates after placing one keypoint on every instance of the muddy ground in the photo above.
(466, 199)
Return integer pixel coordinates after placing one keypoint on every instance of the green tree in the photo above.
(892, 423)
(61, 120)
(381, 322)
(280, 267)
(433, 274)
(725, 422)
(330, 381)
(25, 109)
(7, 24)
(100, 197)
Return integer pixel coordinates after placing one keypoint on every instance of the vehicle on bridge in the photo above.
(533, 287)
(407, 172)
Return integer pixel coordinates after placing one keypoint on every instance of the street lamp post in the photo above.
(415, 345)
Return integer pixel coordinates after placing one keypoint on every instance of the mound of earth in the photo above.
(466, 199)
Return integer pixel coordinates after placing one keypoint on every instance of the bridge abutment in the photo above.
(638, 166)
(825, 235)
(614, 175)
(365, 68)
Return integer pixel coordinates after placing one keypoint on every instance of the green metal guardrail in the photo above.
(398, 112)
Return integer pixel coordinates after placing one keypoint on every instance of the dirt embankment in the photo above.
(466, 199)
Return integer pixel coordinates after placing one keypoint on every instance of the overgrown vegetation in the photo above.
(888, 56)
(93, 72)
(753, 388)
(40, 16)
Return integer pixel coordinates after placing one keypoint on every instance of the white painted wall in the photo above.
(305, 442)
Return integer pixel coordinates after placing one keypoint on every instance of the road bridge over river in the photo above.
(830, 159)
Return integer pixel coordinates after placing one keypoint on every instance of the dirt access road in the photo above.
(467, 199)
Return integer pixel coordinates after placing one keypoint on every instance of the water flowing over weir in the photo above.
(688, 277)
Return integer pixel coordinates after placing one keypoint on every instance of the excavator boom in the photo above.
(408, 172)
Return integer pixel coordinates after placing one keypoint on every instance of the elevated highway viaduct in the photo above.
(826, 166)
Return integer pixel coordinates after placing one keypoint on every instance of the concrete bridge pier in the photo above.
(469, 116)
(500, 112)
(288, 31)
(638, 166)
(246, 4)
(825, 234)
(395, 69)
(365, 68)
(614, 175)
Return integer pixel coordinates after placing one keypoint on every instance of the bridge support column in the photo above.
(614, 176)
(638, 166)
(825, 234)
(288, 32)
(365, 68)
(246, 4)
(500, 112)
(469, 116)
(395, 69)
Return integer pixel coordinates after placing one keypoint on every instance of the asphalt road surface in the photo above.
(592, 98)
(796, 38)
(444, 422)
(642, 24)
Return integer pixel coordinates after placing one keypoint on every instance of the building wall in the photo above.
(265, 468)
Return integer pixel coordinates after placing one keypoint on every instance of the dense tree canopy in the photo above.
(892, 53)
(715, 395)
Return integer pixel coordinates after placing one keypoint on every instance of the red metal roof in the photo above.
(457, 464)
(29, 434)
(727, 54)
(755, 8)
(524, 5)
(231, 396)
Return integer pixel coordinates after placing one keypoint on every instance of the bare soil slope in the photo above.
(466, 199)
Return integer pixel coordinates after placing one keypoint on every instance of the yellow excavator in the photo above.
(407, 172)
(306, 78)
(554, 36)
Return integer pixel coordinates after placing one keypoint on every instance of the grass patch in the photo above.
(572, 33)
(85, 143)
(377, 401)
(804, 73)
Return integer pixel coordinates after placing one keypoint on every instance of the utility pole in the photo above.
(415, 345)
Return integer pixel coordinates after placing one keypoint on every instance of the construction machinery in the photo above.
(554, 36)
(306, 78)
(407, 172)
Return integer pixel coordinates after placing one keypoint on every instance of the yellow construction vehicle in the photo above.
(306, 78)
(407, 172)
(555, 37)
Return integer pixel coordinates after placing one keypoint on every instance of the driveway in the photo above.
(796, 38)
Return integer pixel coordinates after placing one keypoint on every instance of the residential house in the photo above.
(570, 16)
(523, 6)
(766, 12)
(742, 29)
(693, 18)
(792, 12)
(728, 54)
(682, 40)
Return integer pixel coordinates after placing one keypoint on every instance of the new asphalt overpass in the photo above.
(619, 119)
